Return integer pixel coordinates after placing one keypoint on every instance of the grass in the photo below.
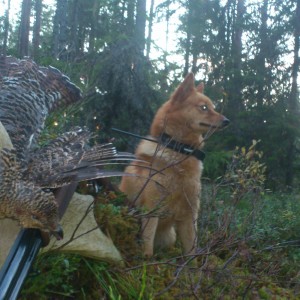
(248, 248)
(234, 263)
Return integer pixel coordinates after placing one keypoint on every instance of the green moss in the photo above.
(248, 249)
(117, 221)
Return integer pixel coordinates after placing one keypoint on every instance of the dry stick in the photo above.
(170, 261)
(205, 252)
(77, 237)
(294, 243)
(247, 289)
(178, 272)
(231, 259)
(193, 291)
(209, 252)
(197, 286)
(72, 238)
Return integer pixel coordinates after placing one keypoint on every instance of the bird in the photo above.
(29, 93)
(30, 174)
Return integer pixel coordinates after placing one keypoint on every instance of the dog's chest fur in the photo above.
(177, 179)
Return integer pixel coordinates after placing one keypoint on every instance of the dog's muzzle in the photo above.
(225, 122)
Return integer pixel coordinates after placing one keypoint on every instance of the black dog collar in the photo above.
(170, 143)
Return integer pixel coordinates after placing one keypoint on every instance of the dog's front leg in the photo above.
(187, 232)
(149, 226)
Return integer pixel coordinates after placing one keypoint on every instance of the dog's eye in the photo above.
(203, 107)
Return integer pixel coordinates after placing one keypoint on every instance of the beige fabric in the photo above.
(95, 243)
(5, 141)
(9, 230)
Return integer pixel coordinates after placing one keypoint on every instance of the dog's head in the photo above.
(189, 105)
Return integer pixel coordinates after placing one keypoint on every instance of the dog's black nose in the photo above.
(225, 122)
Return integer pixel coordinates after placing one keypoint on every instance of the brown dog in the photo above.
(170, 190)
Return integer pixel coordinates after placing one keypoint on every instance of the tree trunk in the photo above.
(293, 101)
(37, 29)
(150, 24)
(60, 29)
(165, 54)
(6, 29)
(130, 17)
(261, 58)
(293, 105)
(235, 15)
(94, 24)
(188, 41)
(74, 32)
(24, 29)
(140, 24)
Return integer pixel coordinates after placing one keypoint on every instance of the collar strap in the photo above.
(170, 143)
(181, 147)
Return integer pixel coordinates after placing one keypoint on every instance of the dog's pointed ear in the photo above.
(185, 88)
(200, 87)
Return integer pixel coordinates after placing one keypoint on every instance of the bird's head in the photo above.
(38, 209)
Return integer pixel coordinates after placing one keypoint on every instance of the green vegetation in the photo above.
(248, 248)
(247, 53)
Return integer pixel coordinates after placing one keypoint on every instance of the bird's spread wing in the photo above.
(68, 158)
(28, 93)
(9, 177)
(9, 168)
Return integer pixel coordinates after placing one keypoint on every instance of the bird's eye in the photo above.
(34, 217)
(203, 107)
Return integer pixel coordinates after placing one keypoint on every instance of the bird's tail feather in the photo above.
(68, 158)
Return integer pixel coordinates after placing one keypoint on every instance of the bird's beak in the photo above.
(58, 233)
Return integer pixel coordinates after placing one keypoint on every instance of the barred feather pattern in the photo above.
(29, 174)
(28, 93)
(69, 158)
(23, 200)
(26, 192)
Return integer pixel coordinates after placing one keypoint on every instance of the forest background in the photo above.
(246, 52)
(128, 56)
